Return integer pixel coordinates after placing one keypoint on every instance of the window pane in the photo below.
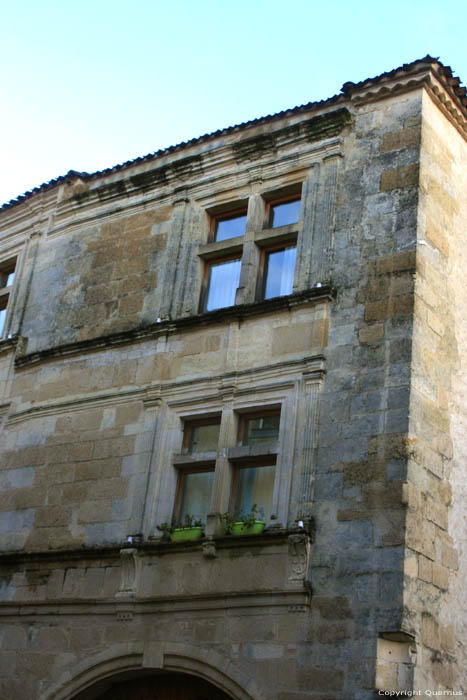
(280, 267)
(2, 320)
(258, 431)
(222, 284)
(10, 279)
(204, 438)
(285, 213)
(196, 495)
(7, 276)
(230, 227)
(255, 485)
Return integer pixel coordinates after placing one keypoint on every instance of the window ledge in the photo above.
(154, 330)
(272, 536)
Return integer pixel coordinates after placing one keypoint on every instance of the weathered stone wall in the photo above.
(117, 355)
(364, 410)
(79, 445)
(436, 492)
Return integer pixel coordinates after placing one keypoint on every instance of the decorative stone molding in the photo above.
(138, 656)
(326, 126)
(152, 398)
(209, 549)
(313, 380)
(298, 556)
(155, 330)
(129, 573)
(9, 344)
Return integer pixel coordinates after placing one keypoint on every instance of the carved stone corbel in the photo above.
(209, 549)
(298, 556)
(130, 567)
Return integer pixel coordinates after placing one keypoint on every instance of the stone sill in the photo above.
(154, 330)
(154, 545)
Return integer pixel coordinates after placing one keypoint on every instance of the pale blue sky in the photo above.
(87, 85)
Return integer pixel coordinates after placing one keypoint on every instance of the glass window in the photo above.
(284, 213)
(260, 430)
(195, 497)
(229, 226)
(279, 272)
(202, 437)
(223, 279)
(7, 276)
(2, 318)
(255, 484)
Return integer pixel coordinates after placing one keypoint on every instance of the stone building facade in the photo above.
(272, 314)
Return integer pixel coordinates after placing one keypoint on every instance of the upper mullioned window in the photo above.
(274, 258)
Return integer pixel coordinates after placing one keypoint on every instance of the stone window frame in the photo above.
(7, 266)
(253, 245)
(229, 455)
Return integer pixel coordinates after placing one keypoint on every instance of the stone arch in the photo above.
(134, 659)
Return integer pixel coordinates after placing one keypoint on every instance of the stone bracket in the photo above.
(209, 549)
(131, 565)
(298, 556)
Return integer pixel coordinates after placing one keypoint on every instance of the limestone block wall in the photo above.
(88, 445)
(362, 452)
(364, 361)
(435, 585)
(94, 465)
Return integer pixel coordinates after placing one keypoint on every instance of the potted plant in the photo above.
(187, 531)
(245, 524)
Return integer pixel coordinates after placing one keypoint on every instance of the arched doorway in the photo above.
(171, 686)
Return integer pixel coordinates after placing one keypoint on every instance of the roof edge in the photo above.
(349, 90)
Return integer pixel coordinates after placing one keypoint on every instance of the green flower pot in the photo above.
(186, 534)
(242, 529)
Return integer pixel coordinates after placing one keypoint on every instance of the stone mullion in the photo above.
(221, 486)
(306, 225)
(323, 229)
(250, 256)
(307, 477)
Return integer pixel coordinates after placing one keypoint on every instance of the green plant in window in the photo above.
(190, 528)
(251, 523)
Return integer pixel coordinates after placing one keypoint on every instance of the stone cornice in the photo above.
(155, 330)
(428, 77)
(145, 548)
(447, 106)
(281, 377)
